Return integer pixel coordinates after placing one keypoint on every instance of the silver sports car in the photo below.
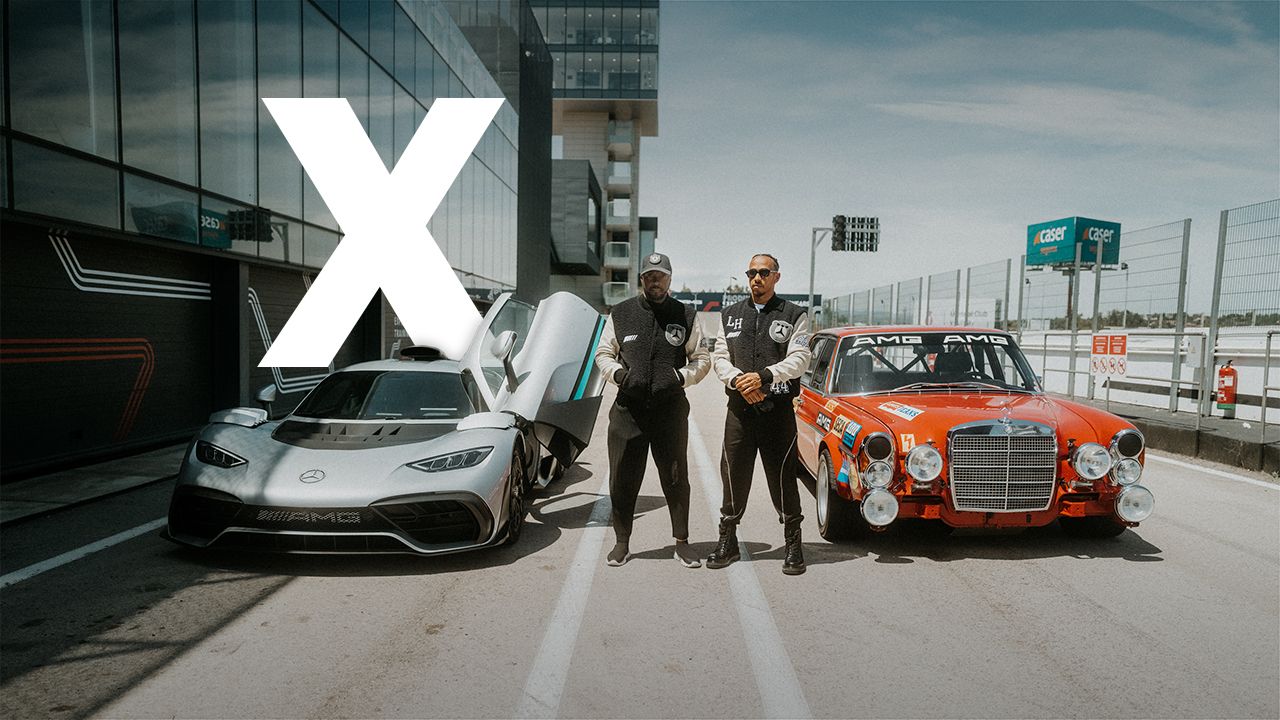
(421, 454)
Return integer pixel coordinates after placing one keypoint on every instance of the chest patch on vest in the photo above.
(629, 338)
(780, 330)
(675, 334)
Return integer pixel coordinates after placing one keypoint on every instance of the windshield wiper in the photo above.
(952, 385)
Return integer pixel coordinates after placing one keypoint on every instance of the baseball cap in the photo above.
(656, 261)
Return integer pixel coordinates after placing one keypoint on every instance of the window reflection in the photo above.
(649, 26)
(158, 89)
(649, 71)
(52, 183)
(319, 79)
(228, 100)
(406, 40)
(353, 78)
(630, 26)
(318, 245)
(381, 115)
(611, 33)
(279, 75)
(62, 75)
(153, 208)
(382, 32)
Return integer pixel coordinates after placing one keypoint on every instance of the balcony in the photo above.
(617, 255)
(619, 179)
(621, 136)
(618, 216)
(616, 292)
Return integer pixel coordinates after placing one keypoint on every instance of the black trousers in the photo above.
(633, 432)
(771, 435)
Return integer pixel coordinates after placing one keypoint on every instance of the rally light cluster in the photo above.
(879, 506)
(1135, 502)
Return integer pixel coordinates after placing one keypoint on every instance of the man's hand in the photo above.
(749, 386)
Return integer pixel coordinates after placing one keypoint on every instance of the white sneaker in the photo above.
(619, 555)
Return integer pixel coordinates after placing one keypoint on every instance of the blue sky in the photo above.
(958, 124)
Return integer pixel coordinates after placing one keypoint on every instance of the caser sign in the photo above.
(384, 217)
(1054, 242)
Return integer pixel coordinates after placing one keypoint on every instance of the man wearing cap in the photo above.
(651, 349)
(761, 350)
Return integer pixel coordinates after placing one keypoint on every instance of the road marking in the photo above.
(545, 684)
(31, 571)
(1211, 471)
(780, 692)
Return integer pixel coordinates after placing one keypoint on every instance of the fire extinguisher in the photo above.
(1227, 391)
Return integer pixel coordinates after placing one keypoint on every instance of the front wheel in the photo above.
(838, 519)
(517, 492)
(1093, 526)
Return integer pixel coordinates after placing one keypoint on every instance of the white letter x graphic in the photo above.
(384, 217)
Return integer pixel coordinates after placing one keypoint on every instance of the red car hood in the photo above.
(931, 415)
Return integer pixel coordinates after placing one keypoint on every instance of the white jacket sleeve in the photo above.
(697, 357)
(720, 357)
(607, 351)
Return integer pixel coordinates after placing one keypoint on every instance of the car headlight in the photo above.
(210, 454)
(1135, 503)
(1091, 461)
(879, 507)
(924, 463)
(877, 475)
(878, 446)
(1127, 471)
(1127, 443)
(453, 461)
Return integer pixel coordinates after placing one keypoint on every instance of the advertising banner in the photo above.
(1054, 242)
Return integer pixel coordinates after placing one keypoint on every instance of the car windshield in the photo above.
(930, 361)
(387, 395)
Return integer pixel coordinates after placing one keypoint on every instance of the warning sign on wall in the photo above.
(1109, 355)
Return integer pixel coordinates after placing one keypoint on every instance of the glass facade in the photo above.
(601, 50)
(143, 116)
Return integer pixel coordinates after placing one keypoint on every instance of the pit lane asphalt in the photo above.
(1179, 618)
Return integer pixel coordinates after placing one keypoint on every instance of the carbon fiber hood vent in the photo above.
(356, 436)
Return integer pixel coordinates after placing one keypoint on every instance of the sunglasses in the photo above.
(762, 272)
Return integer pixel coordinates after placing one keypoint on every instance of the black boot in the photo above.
(793, 561)
(727, 549)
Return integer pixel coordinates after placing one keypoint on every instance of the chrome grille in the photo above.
(1002, 473)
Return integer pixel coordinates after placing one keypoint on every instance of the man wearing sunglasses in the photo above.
(761, 350)
(651, 348)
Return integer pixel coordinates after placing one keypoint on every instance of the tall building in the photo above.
(605, 89)
(158, 231)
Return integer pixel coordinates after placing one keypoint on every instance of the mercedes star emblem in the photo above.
(312, 476)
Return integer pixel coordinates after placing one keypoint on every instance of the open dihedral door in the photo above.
(559, 385)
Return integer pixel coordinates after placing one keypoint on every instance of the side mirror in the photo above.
(501, 348)
(266, 396)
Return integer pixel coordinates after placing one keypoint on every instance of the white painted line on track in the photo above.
(780, 693)
(31, 571)
(1213, 471)
(545, 684)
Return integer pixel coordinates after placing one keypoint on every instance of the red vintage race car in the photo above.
(952, 425)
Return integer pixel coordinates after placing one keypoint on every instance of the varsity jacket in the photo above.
(658, 348)
(772, 341)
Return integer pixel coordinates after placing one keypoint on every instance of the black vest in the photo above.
(651, 341)
(758, 339)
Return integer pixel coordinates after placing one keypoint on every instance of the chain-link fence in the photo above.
(942, 305)
(1144, 295)
(908, 303)
(987, 294)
